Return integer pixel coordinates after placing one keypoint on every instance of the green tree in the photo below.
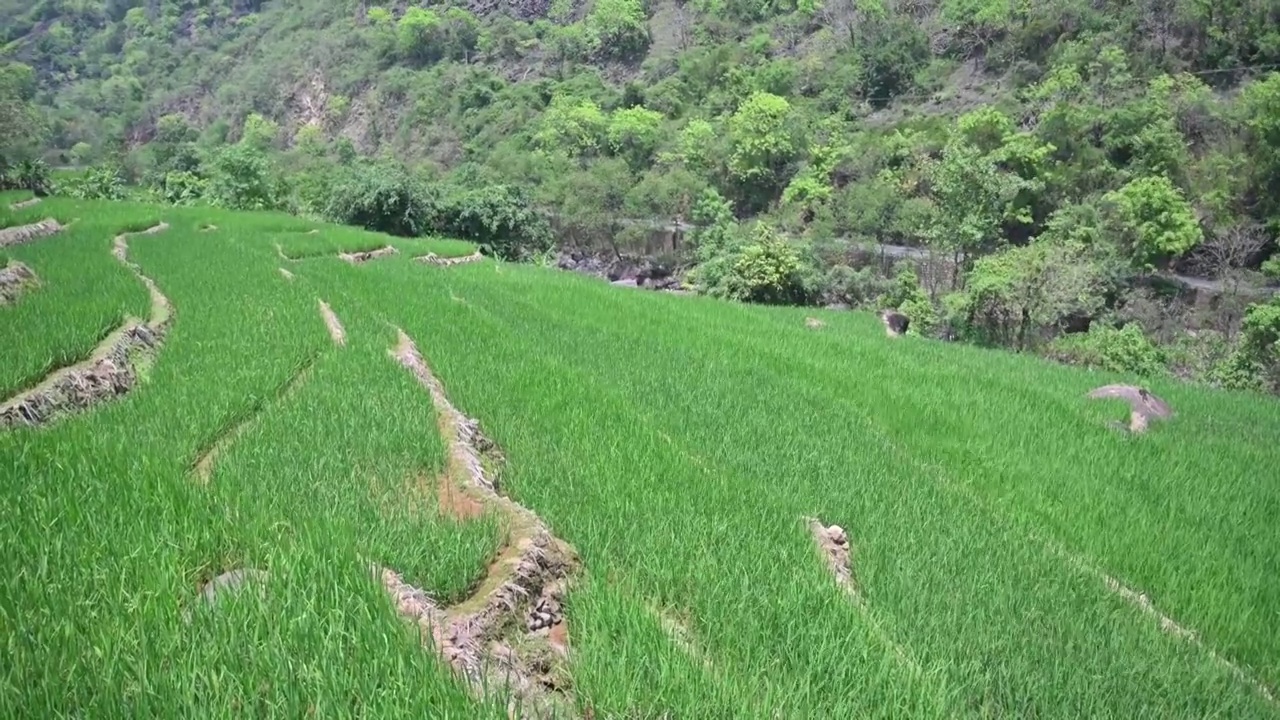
(1156, 220)
(572, 126)
(417, 34)
(259, 133)
(764, 137)
(1024, 294)
(24, 125)
(617, 29)
(634, 134)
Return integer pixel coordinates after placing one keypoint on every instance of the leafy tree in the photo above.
(1260, 116)
(416, 36)
(766, 269)
(1156, 220)
(385, 197)
(634, 134)
(890, 48)
(458, 33)
(617, 29)
(498, 217)
(24, 126)
(259, 133)
(764, 137)
(241, 177)
(571, 126)
(1018, 296)
(101, 182)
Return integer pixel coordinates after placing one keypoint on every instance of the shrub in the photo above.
(382, 197)
(1126, 349)
(500, 218)
(100, 182)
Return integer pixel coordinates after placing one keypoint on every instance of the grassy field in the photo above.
(1002, 534)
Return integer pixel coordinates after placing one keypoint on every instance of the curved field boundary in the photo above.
(26, 233)
(286, 274)
(109, 371)
(205, 460)
(434, 259)
(24, 203)
(15, 279)
(523, 588)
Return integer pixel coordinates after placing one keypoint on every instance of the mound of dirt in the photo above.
(15, 278)
(24, 203)
(834, 543)
(26, 233)
(511, 632)
(1143, 405)
(109, 372)
(366, 256)
(814, 323)
(433, 259)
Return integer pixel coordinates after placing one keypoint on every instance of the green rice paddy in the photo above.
(678, 443)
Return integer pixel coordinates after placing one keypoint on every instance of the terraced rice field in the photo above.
(635, 528)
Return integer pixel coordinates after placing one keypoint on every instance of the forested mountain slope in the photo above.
(1106, 140)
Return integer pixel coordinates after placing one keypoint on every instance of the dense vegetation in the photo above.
(678, 443)
(1107, 142)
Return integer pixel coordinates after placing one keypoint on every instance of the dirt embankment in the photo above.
(111, 370)
(511, 632)
(15, 279)
(357, 258)
(20, 234)
(334, 325)
(433, 259)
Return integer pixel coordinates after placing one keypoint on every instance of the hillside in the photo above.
(1124, 144)
(608, 503)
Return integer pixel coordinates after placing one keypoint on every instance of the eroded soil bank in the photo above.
(20, 234)
(511, 631)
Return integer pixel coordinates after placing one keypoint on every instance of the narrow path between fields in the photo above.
(110, 370)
